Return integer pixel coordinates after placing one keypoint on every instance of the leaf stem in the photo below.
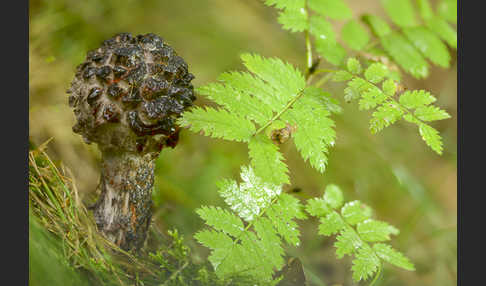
(308, 47)
(323, 80)
(324, 70)
(277, 116)
(377, 276)
(291, 102)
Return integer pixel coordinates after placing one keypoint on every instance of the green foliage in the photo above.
(254, 250)
(443, 30)
(354, 66)
(325, 40)
(275, 90)
(425, 9)
(295, 21)
(314, 128)
(376, 72)
(431, 137)
(283, 78)
(365, 264)
(355, 212)
(321, 29)
(331, 223)
(335, 9)
(377, 25)
(374, 231)
(357, 233)
(392, 256)
(411, 106)
(316, 207)
(447, 9)
(332, 51)
(274, 101)
(401, 12)
(354, 35)
(293, 15)
(264, 153)
(333, 196)
(404, 54)
(429, 45)
(409, 45)
(219, 124)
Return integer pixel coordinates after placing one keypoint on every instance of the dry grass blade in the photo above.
(55, 202)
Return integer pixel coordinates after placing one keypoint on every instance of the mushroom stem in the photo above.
(124, 209)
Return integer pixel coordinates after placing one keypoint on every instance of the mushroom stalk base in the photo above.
(124, 209)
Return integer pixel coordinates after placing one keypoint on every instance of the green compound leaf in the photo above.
(430, 113)
(429, 45)
(331, 224)
(282, 215)
(286, 4)
(431, 137)
(269, 242)
(347, 242)
(447, 9)
(244, 82)
(267, 161)
(332, 104)
(219, 242)
(335, 9)
(331, 50)
(317, 207)
(314, 129)
(340, 76)
(354, 35)
(365, 264)
(355, 212)
(390, 255)
(255, 250)
(371, 98)
(401, 12)
(218, 124)
(221, 220)
(325, 40)
(374, 231)
(358, 242)
(355, 88)
(282, 77)
(384, 116)
(293, 15)
(333, 196)
(353, 66)
(379, 27)
(416, 98)
(294, 20)
(405, 55)
(251, 196)
(376, 72)
(443, 30)
(389, 87)
(350, 94)
(321, 29)
(237, 101)
(425, 9)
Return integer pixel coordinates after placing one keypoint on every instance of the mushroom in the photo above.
(126, 97)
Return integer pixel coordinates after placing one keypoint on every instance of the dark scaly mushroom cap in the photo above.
(128, 93)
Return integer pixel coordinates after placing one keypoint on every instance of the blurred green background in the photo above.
(394, 171)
